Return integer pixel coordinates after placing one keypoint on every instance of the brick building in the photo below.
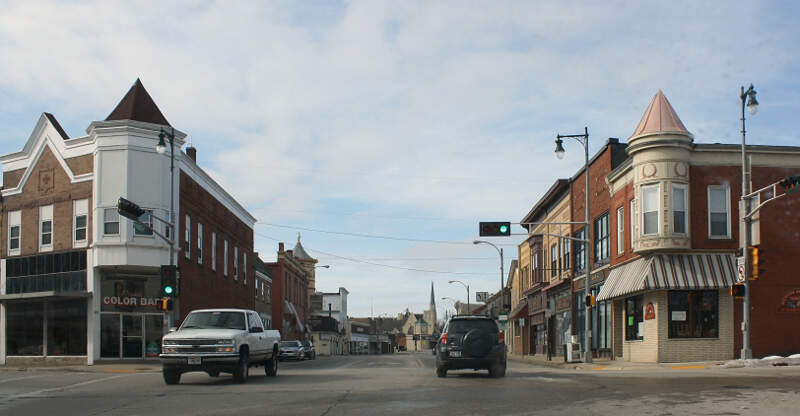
(675, 242)
(77, 282)
(290, 299)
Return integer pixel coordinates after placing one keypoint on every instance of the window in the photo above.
(199, 243)
(634, 322)
(225, 259)
(244, 267)
(46, 228)
(110, 221)
(80, 221)
(187, 245)
(650, 209)
(236, 263)
(601, 239)
(14, 232)
(633, 215)
(719, 211)
(679, 209)
(214, 251)
(580, 250)
(620, 230)
(693, 314)
(565, 254)
(146, 218)
(554, 260)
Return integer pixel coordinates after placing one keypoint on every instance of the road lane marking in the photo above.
(20, 378)
(120, 370)
(688, 367)
(599, 368)
(37, 392)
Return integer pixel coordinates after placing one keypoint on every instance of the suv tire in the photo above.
(441, 372)
(171, 376)
(497, 371)
(242, 369)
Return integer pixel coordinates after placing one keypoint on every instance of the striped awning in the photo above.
(670, 271)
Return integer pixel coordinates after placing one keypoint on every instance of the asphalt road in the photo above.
(404, 384)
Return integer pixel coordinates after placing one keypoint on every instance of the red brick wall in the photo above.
(772, 331)
(202, 287)
(288, 283)
(599, 198)
(622, 199)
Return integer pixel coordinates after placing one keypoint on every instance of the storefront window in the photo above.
(580, 314)
(24, 328)
(634, 322)
(694, 314)
(66, 328)
(65, 325)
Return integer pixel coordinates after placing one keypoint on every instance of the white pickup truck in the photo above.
(219, 340)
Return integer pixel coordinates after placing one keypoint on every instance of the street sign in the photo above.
(481, 296)
(502, 318)
(740, 268)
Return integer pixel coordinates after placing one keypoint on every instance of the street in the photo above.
(402, 384)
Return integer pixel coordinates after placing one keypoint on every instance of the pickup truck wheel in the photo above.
(441, 372)
(271, 366)
(242, 370)
(171, 376)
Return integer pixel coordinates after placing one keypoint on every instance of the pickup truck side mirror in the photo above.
(256, 329)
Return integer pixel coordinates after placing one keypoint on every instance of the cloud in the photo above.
(416, 109)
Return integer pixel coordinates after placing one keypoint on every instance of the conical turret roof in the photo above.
(299, 252)
(138, 105)
(660, 118)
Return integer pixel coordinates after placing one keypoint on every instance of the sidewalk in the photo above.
(99, 367)
(607, 364)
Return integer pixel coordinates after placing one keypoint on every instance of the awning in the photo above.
(519, 311)
(670, 271)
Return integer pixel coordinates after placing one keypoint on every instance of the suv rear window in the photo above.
(461, 326)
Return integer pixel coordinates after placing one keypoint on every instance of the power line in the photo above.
(385, 265)
(381, 237)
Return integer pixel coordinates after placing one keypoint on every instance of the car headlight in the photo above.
(225, 342)
(169, 342)
(168, 350)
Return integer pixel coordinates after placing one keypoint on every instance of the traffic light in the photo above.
(494, 229)
(756, 262)
(164, 304)
(129, 209)
(169, 281)
(589, 301)
(791, 183)
(737, 290)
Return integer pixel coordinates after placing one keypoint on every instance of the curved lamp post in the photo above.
(751, 105)
(161, 147)
(500, 252)
(584, 140)
(467, 287)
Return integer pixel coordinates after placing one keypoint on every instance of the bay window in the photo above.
(679, 209)
(650, 209)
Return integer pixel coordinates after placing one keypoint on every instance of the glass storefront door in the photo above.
(131, 335)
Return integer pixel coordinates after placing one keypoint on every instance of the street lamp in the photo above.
(161, 147)
(499, 251)
(584, 140)
(752, 107)
(467, 287)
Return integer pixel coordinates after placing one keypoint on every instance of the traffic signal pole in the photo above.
(746, 352)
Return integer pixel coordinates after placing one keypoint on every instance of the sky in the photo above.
(385, 131)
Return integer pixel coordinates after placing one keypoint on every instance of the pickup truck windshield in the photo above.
(222, 320)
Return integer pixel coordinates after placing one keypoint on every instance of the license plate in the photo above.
(195, 360)
(455, 353)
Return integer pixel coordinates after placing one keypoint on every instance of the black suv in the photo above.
(471, 341)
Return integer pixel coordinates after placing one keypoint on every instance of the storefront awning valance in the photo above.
(670, 271)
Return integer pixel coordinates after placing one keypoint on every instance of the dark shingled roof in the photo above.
(58, 127)
(138, 105)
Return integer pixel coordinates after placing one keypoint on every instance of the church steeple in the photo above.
(433, 299)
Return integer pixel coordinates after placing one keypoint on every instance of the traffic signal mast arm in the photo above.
(784, 183)
(133, 212)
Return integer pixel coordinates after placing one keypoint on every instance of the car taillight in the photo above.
(444, 338)
(500, 338)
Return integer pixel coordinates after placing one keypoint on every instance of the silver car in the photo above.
(291, 350)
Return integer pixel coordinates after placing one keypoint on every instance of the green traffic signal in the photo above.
(503, 229)
(168, 290)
